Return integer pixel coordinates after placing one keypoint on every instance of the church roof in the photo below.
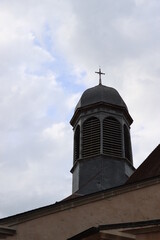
(149, 168)
(101, 93)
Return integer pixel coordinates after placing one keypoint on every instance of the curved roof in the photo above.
(101, 93)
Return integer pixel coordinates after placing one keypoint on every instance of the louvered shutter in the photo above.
(91, 137)
(76, 143)
(112, 137)
(127, 144)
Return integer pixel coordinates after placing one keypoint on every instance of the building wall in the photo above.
(149, 236)
(135, 205)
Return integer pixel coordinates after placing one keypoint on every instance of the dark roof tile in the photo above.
(101, 93)
(149, 168)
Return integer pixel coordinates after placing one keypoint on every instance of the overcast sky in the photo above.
(49, 51)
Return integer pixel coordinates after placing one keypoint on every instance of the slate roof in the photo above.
(149, 168)
(98, 96)
(100, 93)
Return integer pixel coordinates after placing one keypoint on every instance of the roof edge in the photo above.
(93, 230)
(98, 104)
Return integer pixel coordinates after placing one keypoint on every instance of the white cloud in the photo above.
(55, 132)
(122, 37)
(49, 51)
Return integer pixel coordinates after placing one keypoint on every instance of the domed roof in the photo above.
(101, 93)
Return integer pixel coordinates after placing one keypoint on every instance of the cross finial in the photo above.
(100, 73)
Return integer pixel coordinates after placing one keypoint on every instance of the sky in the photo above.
(49, 52)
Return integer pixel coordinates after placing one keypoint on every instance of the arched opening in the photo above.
(77, 143)
(91, 137)
(112, 137)
(127, 144)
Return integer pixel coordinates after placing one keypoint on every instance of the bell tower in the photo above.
(102, 146)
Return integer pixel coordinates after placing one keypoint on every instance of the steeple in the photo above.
(102, 146)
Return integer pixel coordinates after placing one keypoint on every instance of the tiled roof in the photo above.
(149, 168)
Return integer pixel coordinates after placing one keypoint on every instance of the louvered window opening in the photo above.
(91, 137)
(112, 137)
(127, 144)
(77, 143)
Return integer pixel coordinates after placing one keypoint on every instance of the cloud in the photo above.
(123, 38)
(35, 168)
(49, 52)
(32, 99)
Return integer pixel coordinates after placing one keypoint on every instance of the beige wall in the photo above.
(138, 205)
(149, 236)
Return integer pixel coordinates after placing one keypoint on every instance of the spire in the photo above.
(100, 73)
(102, 145)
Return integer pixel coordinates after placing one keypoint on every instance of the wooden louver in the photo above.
(112, 137)
(127, 144)
(76, 143)
(91, 137)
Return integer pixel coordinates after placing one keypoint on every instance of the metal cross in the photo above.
(100, 73)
